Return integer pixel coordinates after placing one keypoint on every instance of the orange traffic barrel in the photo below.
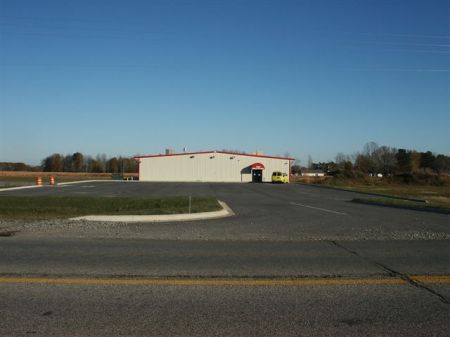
(39, 181)
(52, 180)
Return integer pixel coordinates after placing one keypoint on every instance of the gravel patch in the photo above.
(213, 230)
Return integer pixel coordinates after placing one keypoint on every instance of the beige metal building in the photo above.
(211, 166)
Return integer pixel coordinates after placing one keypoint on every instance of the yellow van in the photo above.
(278, 177)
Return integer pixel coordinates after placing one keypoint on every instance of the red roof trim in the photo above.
(205, 152)
(257, 166)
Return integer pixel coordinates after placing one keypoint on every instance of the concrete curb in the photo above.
(224, 212)
(83, 182)
(6, 189)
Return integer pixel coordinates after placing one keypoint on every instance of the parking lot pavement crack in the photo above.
(394, 273)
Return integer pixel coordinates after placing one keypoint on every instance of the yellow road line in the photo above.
(431, 278)
(227, 282)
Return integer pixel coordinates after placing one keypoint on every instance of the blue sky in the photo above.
(309, 77)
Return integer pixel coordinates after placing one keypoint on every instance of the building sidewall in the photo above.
(208, 167)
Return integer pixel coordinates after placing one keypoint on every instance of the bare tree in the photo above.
(67, 163)
(342, 158)
(370, 148)
(77, 162)
(53, 163)
(310, 162)
(385, 160)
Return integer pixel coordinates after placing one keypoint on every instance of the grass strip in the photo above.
(438, 196)
(14, 207)
(397, 203)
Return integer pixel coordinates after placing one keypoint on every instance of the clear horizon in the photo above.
(299, 77)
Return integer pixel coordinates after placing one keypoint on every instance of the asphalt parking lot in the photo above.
(275, 212)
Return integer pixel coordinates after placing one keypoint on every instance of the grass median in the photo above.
(406, 204)
(67, 207)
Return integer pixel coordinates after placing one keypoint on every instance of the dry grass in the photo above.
(437, 195)
(308, 180)
(14, 179)
(21, 174)
(20, 178)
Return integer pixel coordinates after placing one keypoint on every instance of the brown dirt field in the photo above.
(20, 174)
(21, 178)
(47, 174)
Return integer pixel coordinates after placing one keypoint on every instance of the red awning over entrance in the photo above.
(257, 166)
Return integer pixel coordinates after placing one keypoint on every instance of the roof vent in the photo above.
(170, 151)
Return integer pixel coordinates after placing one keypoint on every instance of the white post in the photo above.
(190, 203)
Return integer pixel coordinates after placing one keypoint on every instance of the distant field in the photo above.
(13, 178)
(438, 196)
(67, 207)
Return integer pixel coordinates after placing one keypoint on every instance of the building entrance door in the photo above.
(256, 176)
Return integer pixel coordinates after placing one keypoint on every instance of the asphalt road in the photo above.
(71, 310)
(326, 267)
(175, 258)
(72, 299)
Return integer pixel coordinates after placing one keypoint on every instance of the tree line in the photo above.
(78, 162)
(10, 166)
(375, 160)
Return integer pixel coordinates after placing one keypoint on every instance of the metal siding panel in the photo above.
(203, 168)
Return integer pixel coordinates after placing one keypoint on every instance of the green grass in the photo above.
(66, 207)
(399, 203)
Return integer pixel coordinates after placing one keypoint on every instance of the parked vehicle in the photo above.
(278, 177)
